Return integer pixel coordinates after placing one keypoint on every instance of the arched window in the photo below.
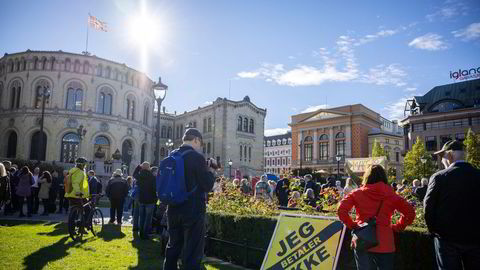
(249, 154)
(241, 153)
(105, 98)
(12, 145)
(268, 162)
(209, 148)
(204, 125)
(169, 133)
(74, 96)
(68, 64)
(245, 124)
(340, 144)
(35, 63)
(397, 154)
(308, 148)
(44, 63)
(162, 152)
(131, 108)
(239, 125)
(99, 70)
(52, 63)
(69, 150)
(251, 126)
(146, 112)
(127, 152)
(15, 95)
(24, 66)
(103, 143)
(108, 72)
(143, 151)
(76, 66)
(115, 74)
(387, 152)
(86, 67)
(39, 89)
(323, 147)
(245, 153)
(163, 132)
(37, 149)
(209, 124)
(17, 65)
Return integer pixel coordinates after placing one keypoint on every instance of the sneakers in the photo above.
(111, 222)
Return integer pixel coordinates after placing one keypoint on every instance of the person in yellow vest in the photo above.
(77, 190)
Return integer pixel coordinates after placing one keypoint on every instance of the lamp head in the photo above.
(160, 90)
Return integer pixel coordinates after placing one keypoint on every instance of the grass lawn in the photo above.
(41, 245)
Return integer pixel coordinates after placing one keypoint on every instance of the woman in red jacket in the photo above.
(366, 201)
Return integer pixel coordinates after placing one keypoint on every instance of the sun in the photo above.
(143, 29)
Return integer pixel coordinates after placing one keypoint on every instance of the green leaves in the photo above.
(472, 146)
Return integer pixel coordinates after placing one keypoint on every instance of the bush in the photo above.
(414, 246)
(31, 164)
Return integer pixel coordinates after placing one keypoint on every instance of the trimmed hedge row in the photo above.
(414, 246)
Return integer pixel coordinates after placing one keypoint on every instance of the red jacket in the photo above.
(366, 201)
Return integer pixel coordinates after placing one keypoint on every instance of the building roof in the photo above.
(377, 131)
(287, 136)
(466, 93)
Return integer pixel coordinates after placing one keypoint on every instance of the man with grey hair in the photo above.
(448, 204)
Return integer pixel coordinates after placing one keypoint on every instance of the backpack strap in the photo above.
(183, 154)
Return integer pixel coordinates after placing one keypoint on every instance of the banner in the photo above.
(304, 242)
(359, 165)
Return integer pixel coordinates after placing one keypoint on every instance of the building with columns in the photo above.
(93, 105)
(232, 130)
(278, 153)
(319, 136)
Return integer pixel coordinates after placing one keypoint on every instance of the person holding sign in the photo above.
(376, 196)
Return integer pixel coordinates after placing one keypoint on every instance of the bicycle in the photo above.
(77, 222)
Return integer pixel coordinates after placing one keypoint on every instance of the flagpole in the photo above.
(86, 45)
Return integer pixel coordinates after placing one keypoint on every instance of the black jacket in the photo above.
(450, 204)
(420, 192)
(147, 187)
(117, 188)
(196, 175)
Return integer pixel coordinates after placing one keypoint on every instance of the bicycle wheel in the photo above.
(75, 227)
(96, 221)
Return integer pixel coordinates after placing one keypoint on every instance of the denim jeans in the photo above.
(146, 211)
(189, 230)
(116, 210)
(127, 203)
(135, 215)
(453, 256)
(371, 261)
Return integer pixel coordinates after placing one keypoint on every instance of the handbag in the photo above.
(366, 235)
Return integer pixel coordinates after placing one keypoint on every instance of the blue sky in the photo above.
(288, 56)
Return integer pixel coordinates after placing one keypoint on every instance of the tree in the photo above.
(413, 167)
(472, 146)
(378, 150)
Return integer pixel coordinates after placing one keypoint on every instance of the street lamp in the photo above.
(338, 157)
(424, 161)
(169, 145)
(159, 90)
(230, 162)
(41, 149)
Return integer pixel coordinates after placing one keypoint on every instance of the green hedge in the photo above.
(31, 164)
(414, 246)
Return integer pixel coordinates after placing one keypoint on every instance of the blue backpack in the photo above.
(171, 186)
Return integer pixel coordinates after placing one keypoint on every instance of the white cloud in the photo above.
(291, 57)
(395, 110)
(470, 33)
(206, 103)
(247, 74)
(410, 89)
(430, 42)
(449, 9)
(276, 131)
(381, 33)
(314, 108)
(392, 74)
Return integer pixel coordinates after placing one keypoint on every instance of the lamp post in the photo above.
(169, 145)
(81, 131)
(159, 90)
(338, 157)
(230, 162)
(41, 149)
(424, 161)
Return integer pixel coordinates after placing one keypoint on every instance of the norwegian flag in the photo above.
(96, 23)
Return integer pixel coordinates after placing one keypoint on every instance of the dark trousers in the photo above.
(62, 201)
(45, 203)
(453, 256)
(191, 231)
(116, 205)
(36, 200)
(29, 204)
(372, 261)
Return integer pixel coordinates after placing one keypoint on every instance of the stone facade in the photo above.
(393, 145)
(112, 102)
(278, 153)
(224, 138)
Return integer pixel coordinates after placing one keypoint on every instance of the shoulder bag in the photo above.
(366, 235)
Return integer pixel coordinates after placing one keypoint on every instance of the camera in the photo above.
(212, 163)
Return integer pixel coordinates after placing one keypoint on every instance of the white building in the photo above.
(278, 153)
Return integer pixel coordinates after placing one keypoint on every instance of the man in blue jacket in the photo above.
(186, 222)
